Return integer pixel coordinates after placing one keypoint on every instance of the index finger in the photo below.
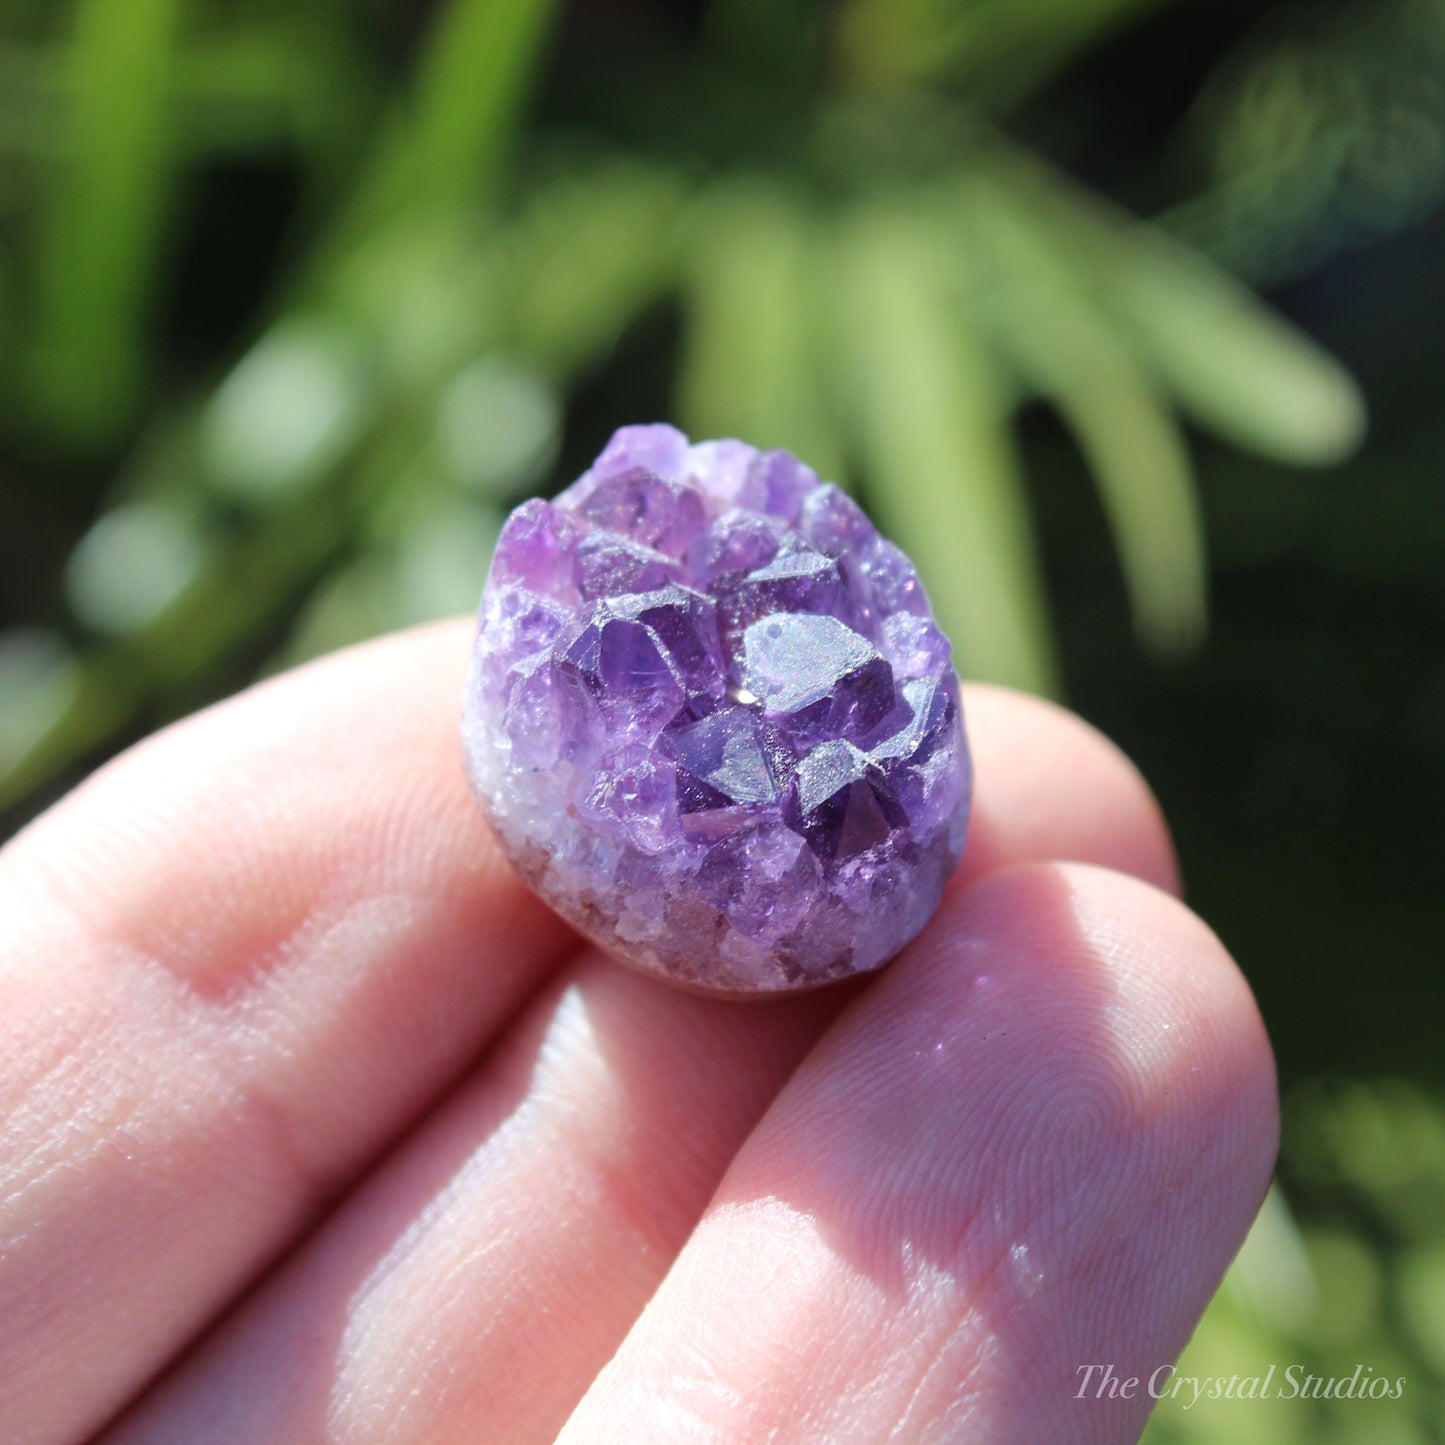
(232, 965)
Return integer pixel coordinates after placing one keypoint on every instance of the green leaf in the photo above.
(942, 476)
(265, 78)
(1231, 362)
(1235, 366)
(287, 412)
(588, 256)
(254, 574)
(100, 225)
(133, 562)
(750, 366)
(1000, 51)
(38, 682)
(242, 86)
(499, 427)
(448, 143)
(433, 569)
(442, 560)
(423, 292)
(1067, 350)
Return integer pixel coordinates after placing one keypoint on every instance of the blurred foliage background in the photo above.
(1084, 297)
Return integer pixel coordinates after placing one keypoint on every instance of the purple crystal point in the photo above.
(712, 720)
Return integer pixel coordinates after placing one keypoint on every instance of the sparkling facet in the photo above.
(712, 720)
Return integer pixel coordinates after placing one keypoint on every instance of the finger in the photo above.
(1052, 787)
(486, 1274)
(1032, 1148)
(231, 966)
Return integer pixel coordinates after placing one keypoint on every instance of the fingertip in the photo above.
(1187, 1003)
(1174, 997)
(1037, 1140)
(1095, 987)
(1050, 785)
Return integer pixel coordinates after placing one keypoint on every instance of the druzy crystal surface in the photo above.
(712, 720)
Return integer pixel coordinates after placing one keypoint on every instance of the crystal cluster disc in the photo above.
(712, 721)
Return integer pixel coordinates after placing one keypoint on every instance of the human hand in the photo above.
(316, 1127)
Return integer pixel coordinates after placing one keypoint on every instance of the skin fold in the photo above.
(316, 1127)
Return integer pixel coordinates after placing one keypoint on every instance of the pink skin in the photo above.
(268, 990)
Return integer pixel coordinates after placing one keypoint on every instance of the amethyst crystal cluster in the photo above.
(712, 720)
